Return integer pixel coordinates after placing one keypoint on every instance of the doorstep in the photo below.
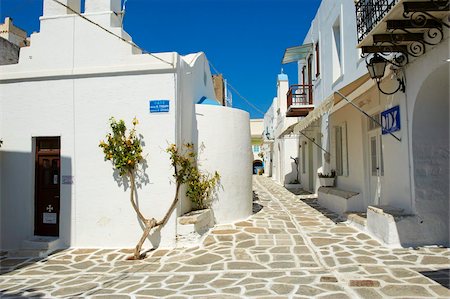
(357, 220)
(392, 226)
(37, 246)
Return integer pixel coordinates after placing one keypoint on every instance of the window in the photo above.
(340, 149)
(304, 158)
(317, 60)
(376, 148)
(255, 148)
(337, 49)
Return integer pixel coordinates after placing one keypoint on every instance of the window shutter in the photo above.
(333, 147)
(344, 150)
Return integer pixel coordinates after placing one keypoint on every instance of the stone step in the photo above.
(32, 253)
(37, 246)
(41, 243)
(359, 218)
(192, 226)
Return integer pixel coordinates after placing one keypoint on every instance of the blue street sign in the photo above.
(158, 106)
(390, 120)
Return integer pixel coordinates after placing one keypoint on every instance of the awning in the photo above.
(351, 87)
(297, 53)
(288, 130)
(317, 113)
(329, 102)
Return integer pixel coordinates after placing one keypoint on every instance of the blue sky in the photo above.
(244, 39)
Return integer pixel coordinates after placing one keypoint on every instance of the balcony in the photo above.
(299, 100)
(409, 27)
(369, 13)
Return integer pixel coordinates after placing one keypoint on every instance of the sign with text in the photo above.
(49, 218)
(390, 120)
(158, 106)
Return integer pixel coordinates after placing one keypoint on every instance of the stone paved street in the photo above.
(290, 247)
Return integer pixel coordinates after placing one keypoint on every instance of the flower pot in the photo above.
(326, 182)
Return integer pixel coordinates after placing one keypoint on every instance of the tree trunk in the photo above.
(149, 223)
(133, 203)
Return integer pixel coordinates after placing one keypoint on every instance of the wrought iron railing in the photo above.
(369, 13)
(299, 94)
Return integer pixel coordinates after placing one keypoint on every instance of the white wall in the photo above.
(428, 111)
(290, 147)
(330, 13)
(193, 80)
(321, 30)
(227, 151)
(70, 89)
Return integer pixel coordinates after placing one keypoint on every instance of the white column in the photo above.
(102, 6)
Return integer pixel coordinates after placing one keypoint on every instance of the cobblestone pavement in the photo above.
(290, 247)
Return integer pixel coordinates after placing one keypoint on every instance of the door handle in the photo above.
(57, 196)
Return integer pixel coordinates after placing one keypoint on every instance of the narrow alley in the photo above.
(290, 247)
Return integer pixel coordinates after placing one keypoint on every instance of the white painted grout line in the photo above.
(316, 258)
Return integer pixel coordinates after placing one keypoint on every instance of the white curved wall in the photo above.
(430, 144)
(225, 132)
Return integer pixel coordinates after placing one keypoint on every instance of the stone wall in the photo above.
(9, 53)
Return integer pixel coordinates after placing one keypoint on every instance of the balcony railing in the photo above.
(369, 13)
(299, 94)
(299, 100)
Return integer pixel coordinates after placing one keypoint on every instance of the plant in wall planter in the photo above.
(199, 184)
(327, 179)
(124, 149)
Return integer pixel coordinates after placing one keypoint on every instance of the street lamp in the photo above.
(376, 67)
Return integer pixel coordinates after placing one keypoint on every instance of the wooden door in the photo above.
(47, 186)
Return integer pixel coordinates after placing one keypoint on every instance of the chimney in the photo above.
(102, 6)
(51, 8)
(282, 90)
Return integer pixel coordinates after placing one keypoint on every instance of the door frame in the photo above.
(374, 183)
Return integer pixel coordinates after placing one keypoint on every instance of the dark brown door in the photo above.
(47, 186)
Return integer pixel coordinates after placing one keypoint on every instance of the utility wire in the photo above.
(146, 52)
(112, 33)
(237, 92)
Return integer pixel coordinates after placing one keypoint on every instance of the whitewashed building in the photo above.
(280, 143)
(398, 174)
(54, 109)
(256, 130)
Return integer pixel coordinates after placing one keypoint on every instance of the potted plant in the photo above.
(327, 179)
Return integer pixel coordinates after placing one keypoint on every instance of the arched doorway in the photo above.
(430, 147)
(258, 166)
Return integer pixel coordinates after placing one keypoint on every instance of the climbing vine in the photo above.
(199, 184)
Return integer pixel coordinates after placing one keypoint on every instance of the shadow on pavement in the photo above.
(441, 276)
(327, 213)
(21, 295)
(9, 264)
(256, 205)
(297, 191)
